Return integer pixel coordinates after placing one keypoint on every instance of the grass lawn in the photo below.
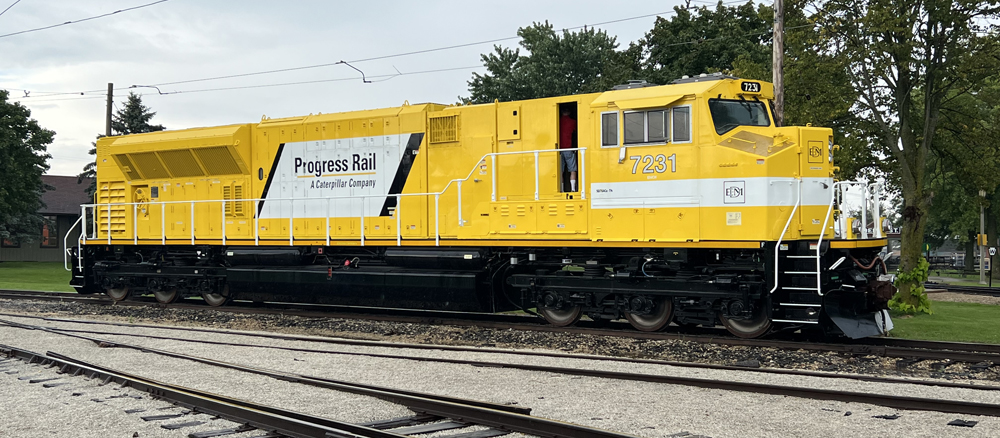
(959, 322)
(43, 276)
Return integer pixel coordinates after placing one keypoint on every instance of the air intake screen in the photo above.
(218, 160)
(444, 129)
(149, 166)
(127, 167)
(181, 163)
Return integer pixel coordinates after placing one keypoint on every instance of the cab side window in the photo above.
(682, 124)
(647, 127)
(609, 129)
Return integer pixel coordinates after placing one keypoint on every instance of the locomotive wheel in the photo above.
(166, 296)
(662, 313)
(118, 293)
(561, 317)
(752, 328)
(217, 299)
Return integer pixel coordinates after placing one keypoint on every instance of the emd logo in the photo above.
(734, 192)
(815, 151)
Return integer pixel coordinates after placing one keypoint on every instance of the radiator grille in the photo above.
(444, 129)
(218, 160)
(181, 163)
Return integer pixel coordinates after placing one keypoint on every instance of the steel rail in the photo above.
(260, 416)
(886, 347)
(890, 401)
(777, 371)
(478, 413)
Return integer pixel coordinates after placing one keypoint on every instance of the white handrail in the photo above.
(66, 243)
(822, 231)
(363, 198)
(777, 247)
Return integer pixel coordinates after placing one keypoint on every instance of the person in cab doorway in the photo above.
(567, 140)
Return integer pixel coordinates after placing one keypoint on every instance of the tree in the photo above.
(555, 65)
(703, 40)
(23, 159)
(905, 59)
(134, 118)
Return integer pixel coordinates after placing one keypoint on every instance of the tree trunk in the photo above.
(910, 252)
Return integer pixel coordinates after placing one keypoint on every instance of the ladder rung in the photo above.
(798, 288)
(801, 257)
(800, 305)
(802, 272)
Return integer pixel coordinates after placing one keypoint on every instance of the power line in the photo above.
(396, 55)
(11, 6)
(82, 19)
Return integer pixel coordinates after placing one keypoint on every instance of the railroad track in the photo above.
(891, 401)
(909, 349)
(433, 413)
(976, 290)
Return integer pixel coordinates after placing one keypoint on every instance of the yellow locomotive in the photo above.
(676, 203)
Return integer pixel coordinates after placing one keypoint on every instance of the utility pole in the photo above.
(778, 62)
(107, 120)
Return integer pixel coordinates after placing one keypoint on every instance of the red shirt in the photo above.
(567, 126)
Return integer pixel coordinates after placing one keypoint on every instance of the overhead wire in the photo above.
(384, 76)
(8, 7)
(80, 20)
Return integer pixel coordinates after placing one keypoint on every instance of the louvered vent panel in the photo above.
(149, 166)
(127, 167)
(218, 160)
(444, 129)
(181, 163)
(111, 193)
(227, 194)
(238, 195)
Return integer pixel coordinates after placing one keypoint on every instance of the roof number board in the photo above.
(750, 87)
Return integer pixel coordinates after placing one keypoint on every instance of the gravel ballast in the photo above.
(643, 409)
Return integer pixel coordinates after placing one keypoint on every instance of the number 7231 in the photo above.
(654, 164)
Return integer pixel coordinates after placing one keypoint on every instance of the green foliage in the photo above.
(132, 119)
(23, 159)
(555, 65)
(43, 276)
(911, 296)
(704, 40)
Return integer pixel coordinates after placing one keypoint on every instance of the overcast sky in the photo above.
(181, 40)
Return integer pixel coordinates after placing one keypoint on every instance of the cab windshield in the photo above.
(728, 114)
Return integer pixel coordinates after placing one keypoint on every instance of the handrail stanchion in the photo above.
(223, 212)
(876, 217)
(363, 199)
(65, 246)
(192, 222)
(777, 246)
(327, 221)
(493, 170)
(437, 219)
(583, 173)
(135, 224)
(256, 222)
(109, 220)
(864, 211)
(536, 175)
(83, 226)
(460, 221)
(822, 233)
(291, 223)
(399, 231)
(163, 223)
